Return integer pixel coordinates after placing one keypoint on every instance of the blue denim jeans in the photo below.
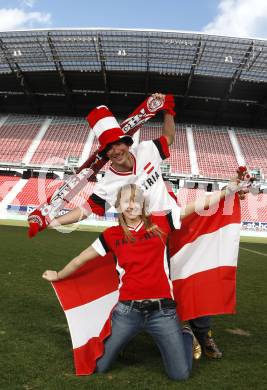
(163, 325)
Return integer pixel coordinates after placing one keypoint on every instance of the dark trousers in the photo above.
(200, 327)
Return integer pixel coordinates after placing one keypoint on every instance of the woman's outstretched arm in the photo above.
(210, 200)
(88, 254)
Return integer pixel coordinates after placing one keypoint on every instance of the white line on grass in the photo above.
(250, 250)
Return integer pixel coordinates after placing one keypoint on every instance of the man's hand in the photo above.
(159, 96)
(37, 223)
(167, 101)
(51, 276)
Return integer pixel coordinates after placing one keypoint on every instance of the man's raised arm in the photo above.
(168, 129)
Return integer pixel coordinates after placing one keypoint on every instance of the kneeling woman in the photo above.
(145, 290)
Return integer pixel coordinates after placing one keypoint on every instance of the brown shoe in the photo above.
(211, 350)
(197, 351)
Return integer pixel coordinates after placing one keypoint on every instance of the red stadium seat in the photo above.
(253, 144)
(64, 137)
(16, 136)
(215, 154)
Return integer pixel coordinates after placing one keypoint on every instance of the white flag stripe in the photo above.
(105, 124)
(194, 257)
(176, 217)
(86, 321)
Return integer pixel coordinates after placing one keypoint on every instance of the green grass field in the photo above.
(35, 346)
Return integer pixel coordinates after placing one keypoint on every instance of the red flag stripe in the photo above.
(81, 287)
(215, 293)
(85, 356)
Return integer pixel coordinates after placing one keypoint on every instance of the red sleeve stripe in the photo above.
(97, 204)
(162, 146)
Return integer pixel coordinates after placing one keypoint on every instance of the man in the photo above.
(141, 166)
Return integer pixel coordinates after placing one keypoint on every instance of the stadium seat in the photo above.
(179, 160)
(254, 208)
(6, 184)
(36, 191)
(253, 144)
(215, 154)
(64, 137)
(16, 135)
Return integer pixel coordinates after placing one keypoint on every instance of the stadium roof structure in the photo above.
(215, 79)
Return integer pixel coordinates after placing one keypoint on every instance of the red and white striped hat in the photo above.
(106, 128)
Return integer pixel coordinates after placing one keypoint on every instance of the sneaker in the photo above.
(197, 351)
(210, 349)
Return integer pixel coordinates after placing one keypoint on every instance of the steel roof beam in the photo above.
(58, 65)
(15, 69)
(234, 80)
(101, 59)
(199, 52)
(147, 67)
(238, 71)
(135, 93)
(17, 72)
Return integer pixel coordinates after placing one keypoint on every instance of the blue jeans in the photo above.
(163, 325)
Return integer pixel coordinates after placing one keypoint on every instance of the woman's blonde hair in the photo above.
(136, 193)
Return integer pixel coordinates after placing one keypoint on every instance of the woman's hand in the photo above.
(241, 183)
(51, 276)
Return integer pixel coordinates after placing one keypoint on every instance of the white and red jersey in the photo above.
(142, 259)
(146, 173)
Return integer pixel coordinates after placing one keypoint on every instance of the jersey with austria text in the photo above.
(146, 173)
(142, 259)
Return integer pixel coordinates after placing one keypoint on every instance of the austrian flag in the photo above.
(203, 271)
(148, 168)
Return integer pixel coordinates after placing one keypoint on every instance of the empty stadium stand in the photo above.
(36, 191)
(16, 136)
(6, 184)
(254, 208)
(215, 154)
(64, 137)
(179, 160)
(253, 144)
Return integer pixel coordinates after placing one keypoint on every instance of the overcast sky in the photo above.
(244, 18)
